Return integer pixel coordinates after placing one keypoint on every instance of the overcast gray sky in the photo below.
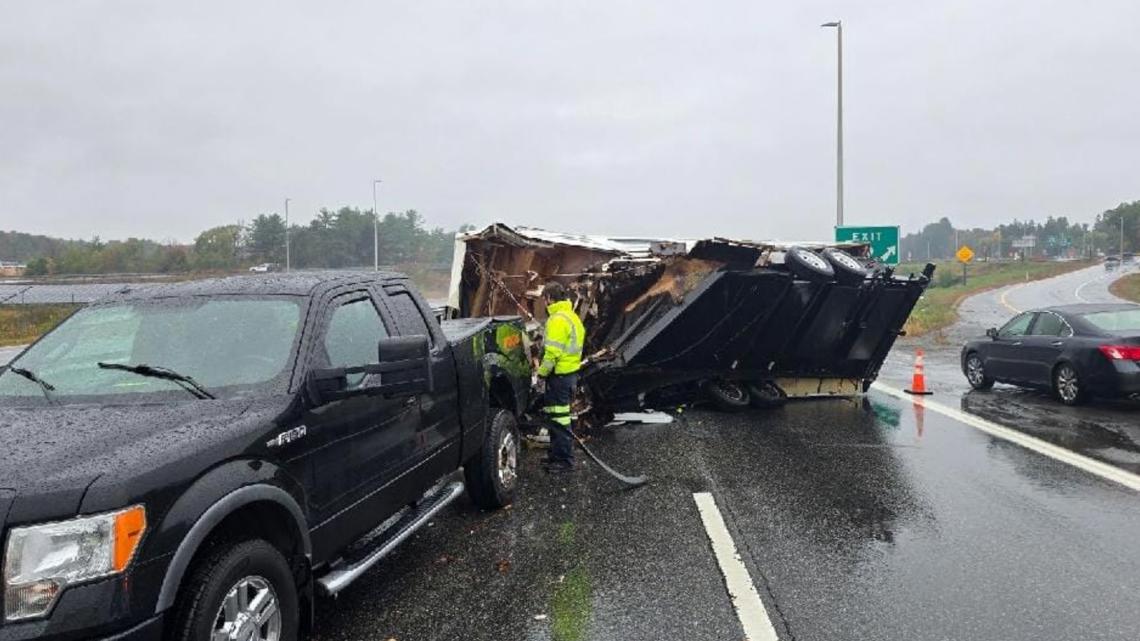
(160, 119)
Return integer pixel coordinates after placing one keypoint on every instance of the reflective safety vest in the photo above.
(562, 341)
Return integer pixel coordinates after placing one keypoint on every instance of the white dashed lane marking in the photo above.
(741, 590)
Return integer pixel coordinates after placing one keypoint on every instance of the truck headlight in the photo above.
(41, 560)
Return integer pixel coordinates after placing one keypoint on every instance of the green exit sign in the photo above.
(884, 241)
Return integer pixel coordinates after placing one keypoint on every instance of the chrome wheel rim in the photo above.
(974, 370)
(1067, 386)
(250, 611)
(813, 259)
(508, 460)
(846, 259)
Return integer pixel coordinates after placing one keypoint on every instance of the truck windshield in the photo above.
(232, 346)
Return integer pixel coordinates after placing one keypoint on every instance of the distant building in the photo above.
(10, 269)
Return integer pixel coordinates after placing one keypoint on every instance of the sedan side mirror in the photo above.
(992, 333)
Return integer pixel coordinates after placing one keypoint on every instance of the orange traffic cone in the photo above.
(918, 383)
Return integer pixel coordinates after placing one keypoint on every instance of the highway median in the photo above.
(1127, 288)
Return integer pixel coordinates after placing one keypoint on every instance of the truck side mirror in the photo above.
(404, 367)
(992, 333)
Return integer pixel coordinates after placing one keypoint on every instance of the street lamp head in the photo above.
(831, 24)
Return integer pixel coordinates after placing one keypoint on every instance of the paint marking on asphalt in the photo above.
(745, 600)
(1077, 291)
(1003, 301)
(1055, 452)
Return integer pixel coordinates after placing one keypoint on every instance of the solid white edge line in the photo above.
(741, 590)
(1055, 452)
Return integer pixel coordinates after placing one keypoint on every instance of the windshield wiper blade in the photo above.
(142, 369)
(45, 387)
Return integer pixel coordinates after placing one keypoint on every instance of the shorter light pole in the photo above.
(375, 229)
(287, 234)
(1121, 237)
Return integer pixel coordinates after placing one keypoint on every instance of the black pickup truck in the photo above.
(200, 461)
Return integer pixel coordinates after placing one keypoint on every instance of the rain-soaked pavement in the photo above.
(856, 520)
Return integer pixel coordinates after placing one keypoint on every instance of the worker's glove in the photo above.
(538, 384)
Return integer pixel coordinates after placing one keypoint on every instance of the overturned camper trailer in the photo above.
(667, 319)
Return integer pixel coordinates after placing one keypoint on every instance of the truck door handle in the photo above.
(1058, 343)
(410, 402)
(1017, 342)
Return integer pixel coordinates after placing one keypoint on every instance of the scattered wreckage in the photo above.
(739, 322)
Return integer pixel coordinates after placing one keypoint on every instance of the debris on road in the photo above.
(666, 316)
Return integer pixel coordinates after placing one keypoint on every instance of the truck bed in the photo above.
(459, 329)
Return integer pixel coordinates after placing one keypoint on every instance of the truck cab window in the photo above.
(354, 331)
(409, 320)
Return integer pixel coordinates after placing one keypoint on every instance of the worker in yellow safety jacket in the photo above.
(562, 343)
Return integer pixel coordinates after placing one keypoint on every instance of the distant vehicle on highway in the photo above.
(1077, 351)
(263, 268)
(1128, 258)
(1111, 263)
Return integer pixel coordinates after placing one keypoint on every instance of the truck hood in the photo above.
(50, 455)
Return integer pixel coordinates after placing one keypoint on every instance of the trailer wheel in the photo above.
(848, 271)
(729, 396)
(766, 395)
(808, 265)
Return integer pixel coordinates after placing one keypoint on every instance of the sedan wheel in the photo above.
(1067, 385)
(976, 373)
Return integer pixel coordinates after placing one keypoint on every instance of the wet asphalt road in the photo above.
(856, 520)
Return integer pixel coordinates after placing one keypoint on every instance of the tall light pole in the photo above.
(838, 25)
(286, 234)
(1122, 237)
(375, 229)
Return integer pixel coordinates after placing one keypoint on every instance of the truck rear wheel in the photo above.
(492, 474)
(239, 591)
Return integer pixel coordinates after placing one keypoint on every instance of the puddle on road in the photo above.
(1109, 432)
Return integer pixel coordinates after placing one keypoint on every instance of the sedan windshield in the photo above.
(230, 346)
(1121, 321)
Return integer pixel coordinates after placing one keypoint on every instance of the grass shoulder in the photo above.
(1127, 287)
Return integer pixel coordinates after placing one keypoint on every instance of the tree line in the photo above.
(1054, 237)
(341, 238)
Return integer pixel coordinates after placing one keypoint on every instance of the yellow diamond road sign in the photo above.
(965, 254)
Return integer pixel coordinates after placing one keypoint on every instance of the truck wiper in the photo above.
(142, 369)
(45, 387)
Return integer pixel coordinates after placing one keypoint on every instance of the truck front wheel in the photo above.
(492, 474)
(239, 591)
